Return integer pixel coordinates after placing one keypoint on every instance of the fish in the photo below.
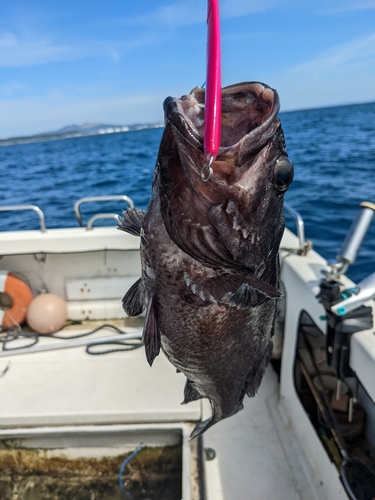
(209, 243)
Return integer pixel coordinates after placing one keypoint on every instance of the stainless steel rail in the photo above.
(99, 198)
(299, 223)
(34, 208)
(101, 216)
(350, 247)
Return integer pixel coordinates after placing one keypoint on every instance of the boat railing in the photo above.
(34, 208)
(101, 216)
(91, 199)
(299, 223)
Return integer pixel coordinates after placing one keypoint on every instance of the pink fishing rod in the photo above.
(212, 112)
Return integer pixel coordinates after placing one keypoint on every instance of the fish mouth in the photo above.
(248, 109)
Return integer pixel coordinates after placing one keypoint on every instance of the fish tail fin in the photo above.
(216, 416)
(132, 221)
(200, 428)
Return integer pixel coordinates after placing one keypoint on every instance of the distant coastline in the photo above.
(89, 129)
(70, 131)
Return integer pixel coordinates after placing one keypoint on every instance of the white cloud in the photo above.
(350, 6)
(179, 13)
(355, 50)
(341, 75)
(11, 88)
(20, 53)
(15, 52)
(238, 8)
(185, 12)
(7, 39)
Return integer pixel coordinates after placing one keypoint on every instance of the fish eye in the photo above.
(283, 174)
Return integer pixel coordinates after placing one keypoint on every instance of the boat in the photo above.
(82, 415)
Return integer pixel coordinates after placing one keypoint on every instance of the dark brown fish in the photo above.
(209, 247)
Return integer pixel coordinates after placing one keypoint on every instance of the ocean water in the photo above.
(333, 151)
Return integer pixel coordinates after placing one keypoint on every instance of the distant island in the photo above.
(78, 131)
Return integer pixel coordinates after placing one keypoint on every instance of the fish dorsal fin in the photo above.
(134, 300)
(151, 334)
(132, 221)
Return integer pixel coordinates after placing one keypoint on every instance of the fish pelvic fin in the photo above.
(190, 393)
(132, 221)
(134, 300)
(151, 334)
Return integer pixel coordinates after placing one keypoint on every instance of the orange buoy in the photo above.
(21, 296)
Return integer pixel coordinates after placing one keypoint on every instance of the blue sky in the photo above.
(115, 61)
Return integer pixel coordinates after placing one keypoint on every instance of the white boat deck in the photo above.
(71, 387)
(257, 456)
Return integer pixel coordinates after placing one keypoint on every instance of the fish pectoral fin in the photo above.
(240, 290)
(190, 393)
(247, 295)
(151, 334)
(132, 221)
(134, 300)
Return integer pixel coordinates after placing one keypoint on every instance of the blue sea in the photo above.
(333, 151)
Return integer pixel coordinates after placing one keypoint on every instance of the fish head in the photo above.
(235, 217)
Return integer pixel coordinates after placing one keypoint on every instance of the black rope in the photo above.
(11, 333)
(128, 346)
(86, 334)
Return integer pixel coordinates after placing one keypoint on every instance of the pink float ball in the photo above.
(47, 313)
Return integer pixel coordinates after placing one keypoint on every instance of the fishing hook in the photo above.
(207, 171)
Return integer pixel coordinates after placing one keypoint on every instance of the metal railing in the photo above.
(299, 223)
(34, 208)
(91, 199)
(101, 216)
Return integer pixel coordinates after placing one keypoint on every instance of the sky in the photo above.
(115, 61)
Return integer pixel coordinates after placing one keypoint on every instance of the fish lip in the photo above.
(181, 122)
(182, 114)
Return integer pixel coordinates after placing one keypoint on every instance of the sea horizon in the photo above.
(332, 149)
(56, 136)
